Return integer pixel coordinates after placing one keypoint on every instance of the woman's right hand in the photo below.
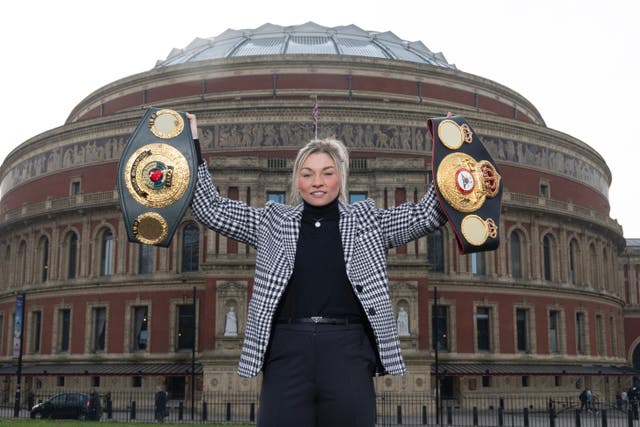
(193, 124)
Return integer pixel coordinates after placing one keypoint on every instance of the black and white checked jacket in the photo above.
(367, 232)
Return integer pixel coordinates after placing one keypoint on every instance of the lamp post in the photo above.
(18, 339)
(436, 343)
(193, 357)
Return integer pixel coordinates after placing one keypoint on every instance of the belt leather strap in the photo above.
(468, 183)
(157, 176)
(322, 320)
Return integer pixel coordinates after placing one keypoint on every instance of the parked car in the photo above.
(64, 405)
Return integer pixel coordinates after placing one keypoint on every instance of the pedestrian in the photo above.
(590, 407)
(94, 406)
(160, 404)
(624, 399)
(320, 322)
(583, 400)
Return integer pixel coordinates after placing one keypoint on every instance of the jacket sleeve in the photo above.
(410, 221)
(232, 218)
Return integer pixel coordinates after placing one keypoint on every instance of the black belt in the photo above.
(323, 320)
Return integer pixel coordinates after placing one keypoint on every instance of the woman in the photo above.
(320, 322)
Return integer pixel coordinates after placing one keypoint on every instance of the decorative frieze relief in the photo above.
(370, 136)
(508, 150)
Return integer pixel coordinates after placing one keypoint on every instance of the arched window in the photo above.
(190, 247)
(106, 253)
(515, 252)
(43, 250)
(593, 266)
(607, 277)
(546, 258)
(145, 261)
(72, 255)
(635, 359)
(581, 333)
(573, 261)
(22, 262)
(478, 263)
(6, 270)
(435, 251)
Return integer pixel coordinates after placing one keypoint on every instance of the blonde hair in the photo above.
(332, 147)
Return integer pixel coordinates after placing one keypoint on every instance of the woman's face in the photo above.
(318, 180)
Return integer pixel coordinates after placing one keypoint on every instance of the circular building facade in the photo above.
(542, 314)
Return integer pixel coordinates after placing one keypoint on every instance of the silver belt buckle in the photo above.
(316, 319)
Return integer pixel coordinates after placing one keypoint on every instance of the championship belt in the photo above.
(468, 184)
(156, 176)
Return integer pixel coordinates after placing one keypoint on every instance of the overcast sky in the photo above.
(576, 61)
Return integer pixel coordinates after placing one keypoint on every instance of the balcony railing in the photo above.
(51, 206)
(105, 198)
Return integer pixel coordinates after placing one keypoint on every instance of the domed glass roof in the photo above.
(309, 38)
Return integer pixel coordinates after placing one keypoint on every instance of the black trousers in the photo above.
(318, 375)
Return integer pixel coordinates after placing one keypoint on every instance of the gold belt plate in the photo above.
(157, 175)
(150, 228)
(466, 183)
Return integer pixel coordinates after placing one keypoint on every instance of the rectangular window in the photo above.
(75, 188)
(355, 196)
(581, 345)
(554, 335)
(525, 381)
(277, 163)
(140, 328)
(99, 328)
(521, 329)
(186, 327)
(95, 381)
(558, 381)
(60, 381)
(276, 196)
(358, 163)
(486, 381)
(36, 330)
(136, 382)
(483, 328)
(65, 329)
(439, 327)
(544, 189)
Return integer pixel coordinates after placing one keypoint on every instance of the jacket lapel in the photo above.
(348, 225)
(291, 231)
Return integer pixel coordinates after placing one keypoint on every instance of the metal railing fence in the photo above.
(393, 409)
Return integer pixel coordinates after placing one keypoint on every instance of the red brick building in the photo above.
(549, 311)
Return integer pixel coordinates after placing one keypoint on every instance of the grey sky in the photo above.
(576, 61)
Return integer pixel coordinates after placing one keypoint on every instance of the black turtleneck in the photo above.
(319, 285)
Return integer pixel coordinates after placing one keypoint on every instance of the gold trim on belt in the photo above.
(157, 175)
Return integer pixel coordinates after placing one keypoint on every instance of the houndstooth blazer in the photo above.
(367, 232)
